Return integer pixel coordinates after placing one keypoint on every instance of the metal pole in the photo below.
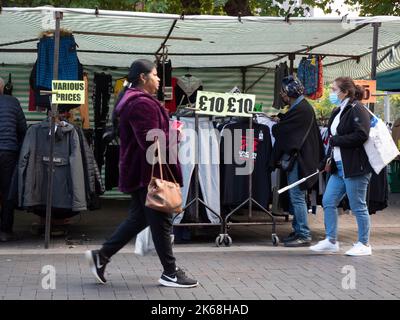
(374, 64)
(163, 70)
(53, 114)
(196, 165)
(251, 168)
(243, 79)
(292, 56)
(387, 107)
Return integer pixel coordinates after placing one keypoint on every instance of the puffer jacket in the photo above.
(68, 181)
(93, 183)
(12, 124)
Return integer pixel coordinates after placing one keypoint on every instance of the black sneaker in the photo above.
(177, 280)
(292, 236)
(97, 264)
(298, 242)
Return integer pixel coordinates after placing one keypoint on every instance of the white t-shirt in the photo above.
(336, 150)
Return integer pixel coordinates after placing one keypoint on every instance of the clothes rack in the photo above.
(196, 200)
(224, 237)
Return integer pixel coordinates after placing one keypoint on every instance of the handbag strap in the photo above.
(373, 114)
(159, 163)
(308, 132)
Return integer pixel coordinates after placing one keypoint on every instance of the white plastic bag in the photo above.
(380, 147)
(144, 242)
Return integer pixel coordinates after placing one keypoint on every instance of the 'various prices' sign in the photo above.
(225, 104)
(370, 90)
(68, 92)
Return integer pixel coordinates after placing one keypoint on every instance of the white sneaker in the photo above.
(359, 249)
(325, 246)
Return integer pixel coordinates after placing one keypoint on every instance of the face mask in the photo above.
(334, 98)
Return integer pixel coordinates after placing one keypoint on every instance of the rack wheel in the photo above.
(227, 241)
(219, 240)
(275, 240)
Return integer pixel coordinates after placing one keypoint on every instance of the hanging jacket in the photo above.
(93, 184)
(320, 81)
(68, 181)
(281, 71)
(307, 73)
(186, 89)
(8, 87)
(68, 60)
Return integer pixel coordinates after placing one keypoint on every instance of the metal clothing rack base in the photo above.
(224, 237)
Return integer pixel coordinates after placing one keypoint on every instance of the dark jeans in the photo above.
(8, 161)
(139, 218)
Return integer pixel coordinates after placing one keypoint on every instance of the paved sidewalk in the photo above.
(250, 269)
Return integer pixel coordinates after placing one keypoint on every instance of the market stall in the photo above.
(246, 48)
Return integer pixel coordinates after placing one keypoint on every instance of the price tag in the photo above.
(68, 92)
(225, 104)
(370, 90)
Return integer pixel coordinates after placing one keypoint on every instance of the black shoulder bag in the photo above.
(287, 160)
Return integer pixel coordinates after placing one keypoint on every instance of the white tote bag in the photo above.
(380, 147)
(144, 242)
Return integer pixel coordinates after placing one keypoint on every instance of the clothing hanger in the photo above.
(187, 74)
(61, 118)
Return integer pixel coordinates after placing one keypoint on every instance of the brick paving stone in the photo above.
(267, 273)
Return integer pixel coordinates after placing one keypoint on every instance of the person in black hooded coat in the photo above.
(297, 133)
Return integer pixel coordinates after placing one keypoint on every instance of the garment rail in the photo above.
(196, 200)
(224, 237)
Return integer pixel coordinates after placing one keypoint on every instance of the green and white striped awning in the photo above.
(116, 38)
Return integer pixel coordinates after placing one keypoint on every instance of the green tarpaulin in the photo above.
(389, 81)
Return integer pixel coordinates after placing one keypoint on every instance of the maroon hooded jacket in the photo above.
(139, 113)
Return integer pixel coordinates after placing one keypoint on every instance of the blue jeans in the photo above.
(356, 190)
(298, 205)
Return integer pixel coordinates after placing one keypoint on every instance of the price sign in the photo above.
(370, 90)
(225, 104)
(68, 92)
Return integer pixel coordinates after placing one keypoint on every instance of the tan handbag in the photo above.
(163, 195)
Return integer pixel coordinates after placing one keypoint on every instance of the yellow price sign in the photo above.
(68, 92)
(225, 104)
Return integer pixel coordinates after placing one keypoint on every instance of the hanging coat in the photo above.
(68, 180)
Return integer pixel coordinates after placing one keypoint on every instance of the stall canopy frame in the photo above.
(229, 34)
(206, 41)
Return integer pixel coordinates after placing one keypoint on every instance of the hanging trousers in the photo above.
(209, 178)
(102, 89)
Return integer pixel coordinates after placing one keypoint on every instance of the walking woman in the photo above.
(349, 128)
(139, 112)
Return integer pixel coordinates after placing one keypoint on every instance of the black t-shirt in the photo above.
(235, 157)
